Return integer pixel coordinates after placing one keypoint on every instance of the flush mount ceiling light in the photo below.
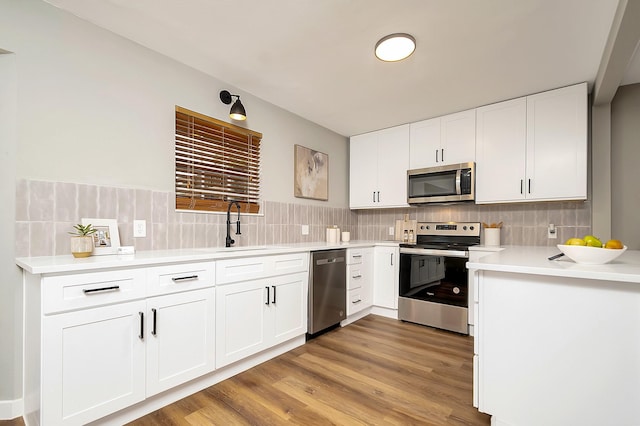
(395, 47)
(237, 109)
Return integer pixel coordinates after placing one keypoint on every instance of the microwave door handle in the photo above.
(458, 190)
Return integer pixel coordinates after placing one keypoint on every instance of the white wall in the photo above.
(10, 284)
(94, 108)
(625, 173)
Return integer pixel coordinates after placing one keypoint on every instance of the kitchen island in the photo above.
(556, 343)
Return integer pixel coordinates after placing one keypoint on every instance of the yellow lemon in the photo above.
(576, 242)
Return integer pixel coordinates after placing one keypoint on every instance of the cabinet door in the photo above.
(458, 138)
(393, 163)
(93, 362)
(180, 338)
(500, 151)
(363, 170)
(557, 144)
(385, 284)
(289, 306)
(424, 144)
(241, 320)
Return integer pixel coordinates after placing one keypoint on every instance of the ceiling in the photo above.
(315, 57)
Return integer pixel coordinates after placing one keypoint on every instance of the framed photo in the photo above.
(106, 239)
(311, 174)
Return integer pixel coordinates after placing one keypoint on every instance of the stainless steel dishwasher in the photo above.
(327, 289)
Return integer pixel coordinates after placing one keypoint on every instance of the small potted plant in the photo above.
(82, 240)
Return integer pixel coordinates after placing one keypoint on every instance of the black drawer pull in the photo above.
(356, 301)
(274, 294)
(141, 335)
(181, 279)
(356, 276)
(268, 296)
(96, 290)
(155, 314)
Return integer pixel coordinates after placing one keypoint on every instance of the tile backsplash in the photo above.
(46, 212)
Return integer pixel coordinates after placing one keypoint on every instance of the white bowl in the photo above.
(590, 255)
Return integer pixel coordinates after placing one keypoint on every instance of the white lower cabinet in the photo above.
(98, 345)
(93, 363)
(180, 338)
(255, 315)
(359, 279)
(385, 288)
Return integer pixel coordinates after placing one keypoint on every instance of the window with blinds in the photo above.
(216, 162)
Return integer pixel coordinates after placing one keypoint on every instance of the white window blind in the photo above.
(216, 162)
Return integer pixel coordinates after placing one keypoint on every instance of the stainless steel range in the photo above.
(434, 279)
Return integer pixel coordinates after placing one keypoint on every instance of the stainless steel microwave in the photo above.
(442, 184)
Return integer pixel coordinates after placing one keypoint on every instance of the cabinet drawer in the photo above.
(84, 290)
(355, 276)
(355, 301)
(248, 268)
(181, 277)
(354, 256)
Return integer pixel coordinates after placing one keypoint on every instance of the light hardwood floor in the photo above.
(376, 371)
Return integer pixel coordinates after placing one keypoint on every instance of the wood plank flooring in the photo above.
(376, 371)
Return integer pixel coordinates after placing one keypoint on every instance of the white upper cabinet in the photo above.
(533, 148)
(378, 168)
(443, 140)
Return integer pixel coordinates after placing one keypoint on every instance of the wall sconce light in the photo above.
(237, 109)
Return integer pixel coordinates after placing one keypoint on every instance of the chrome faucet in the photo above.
(229, 241)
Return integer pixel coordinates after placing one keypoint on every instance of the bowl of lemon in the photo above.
(591, 251)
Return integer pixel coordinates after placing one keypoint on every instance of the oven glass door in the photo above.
(437, 279)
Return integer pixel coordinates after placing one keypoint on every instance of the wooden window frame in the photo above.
(215, 163)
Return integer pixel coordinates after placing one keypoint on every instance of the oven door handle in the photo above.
(434, 252)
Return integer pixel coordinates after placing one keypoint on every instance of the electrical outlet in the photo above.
(139, 228)
(392, 231)
(305, 229)
(552, 231)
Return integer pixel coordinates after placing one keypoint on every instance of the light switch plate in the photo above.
(139, 228)
(392, 230)
(305, 229)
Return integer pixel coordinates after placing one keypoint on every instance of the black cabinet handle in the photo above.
(442, 154)
(187, 278)
(268, 296)
(378, 196)
(356, 301)
(521, 183)
(436, 155)
(356, 276)
(141, 335)
(374, 196)
(529, 186)
(274, 294)
(155, 314)
(96, 290)
(391, 259)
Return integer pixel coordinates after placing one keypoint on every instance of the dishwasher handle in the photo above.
(331, 260)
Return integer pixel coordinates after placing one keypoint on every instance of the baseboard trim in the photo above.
(9, 410)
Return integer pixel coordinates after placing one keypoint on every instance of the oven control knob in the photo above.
(471, 227)
(464, 228)
(456, 290)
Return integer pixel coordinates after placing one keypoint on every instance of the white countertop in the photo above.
(67, 263)
(534, 260)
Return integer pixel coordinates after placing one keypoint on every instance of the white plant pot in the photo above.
(81, 246)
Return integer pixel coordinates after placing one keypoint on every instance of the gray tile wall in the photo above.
(523, 223)
(47, 211)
